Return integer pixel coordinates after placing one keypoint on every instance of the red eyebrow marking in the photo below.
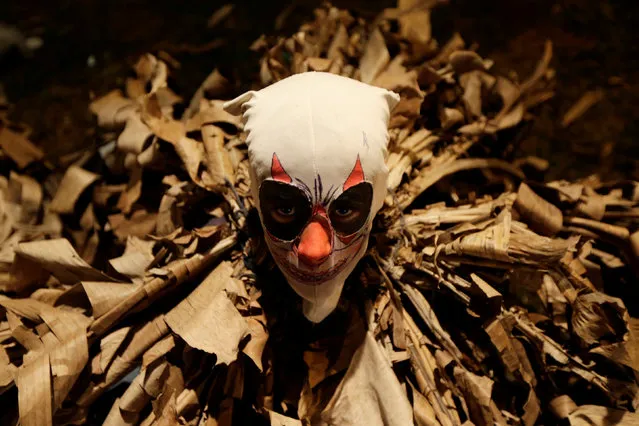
(277, 171)
(356, 176)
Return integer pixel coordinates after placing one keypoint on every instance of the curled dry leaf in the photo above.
(135, 136)
(103, 296)
(465, 61)
(590, 415)
(75, 181)
(543, 216)
(484, 272)
(259, 337)
(18, 147)
(207, 320)
(585, 102)
(599, 318)
(375, 57)
(113, 109)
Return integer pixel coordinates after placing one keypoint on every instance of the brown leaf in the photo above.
(140, 224)
(278, 419)
(113, 109)
(542, 216)
(472, 84)
(26, 192)
(562, 406)
(18, 147)
(207, 320)
(414, 22)
(595, 415)
(213, 86)
(585, 102)
(34, 396)
(158, 350)
(68, 359)
(598, 317)
(109, 346)
(259, 336)
(375, 57)
(135, 136)
(103, 296)
(369, 393)
(133, 263)
(75, 181)
(477, 391)
(422, 410)
(143, 338)
(217, 156)
(466, 61)
(450, 117)
(132, 193)
(58, 258)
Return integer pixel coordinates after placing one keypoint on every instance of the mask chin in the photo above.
(320, 299)
(317, 311)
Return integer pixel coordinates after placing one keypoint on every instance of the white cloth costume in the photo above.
(317, 146)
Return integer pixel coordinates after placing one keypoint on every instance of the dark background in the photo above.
(595, 45)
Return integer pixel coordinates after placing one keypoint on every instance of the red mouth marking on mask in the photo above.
(311, 277)
(315, 277)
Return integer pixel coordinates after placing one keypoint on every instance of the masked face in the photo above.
(317, 144)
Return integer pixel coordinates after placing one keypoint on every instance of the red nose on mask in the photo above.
(315, 244)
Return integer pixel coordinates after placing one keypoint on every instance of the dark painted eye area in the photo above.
(348, 213)
(285, 209)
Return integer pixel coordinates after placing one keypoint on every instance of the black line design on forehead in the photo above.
(319, 188)
(305, 189)
(365, 141)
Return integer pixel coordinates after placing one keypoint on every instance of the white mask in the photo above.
(317, 146)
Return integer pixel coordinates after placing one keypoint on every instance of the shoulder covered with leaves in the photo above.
(135, 289)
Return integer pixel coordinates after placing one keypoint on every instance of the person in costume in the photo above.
(317, 144)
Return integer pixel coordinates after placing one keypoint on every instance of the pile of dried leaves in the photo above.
(496, 299)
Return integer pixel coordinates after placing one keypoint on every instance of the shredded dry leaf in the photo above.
(502, 301)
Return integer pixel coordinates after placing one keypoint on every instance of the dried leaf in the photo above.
(375, 57)
(369, 393)
(259, 336)
(34, 396)
(75, 181)
(478, 394)
(135, 136)
(113, 109)
(104, 296)
(466, 61)
(217, 157)
(207, 320)
(422, 410)
(594, 415)
(109, 346)
(585, 102)
(58, 258)
(598, 317)
(414, 25)
(18, 147)
(133, 264)
(542, 216)
(277, 419)
(27, 192)
(472, 84)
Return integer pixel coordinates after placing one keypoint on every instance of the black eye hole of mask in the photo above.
(348, 213)
(285, 209)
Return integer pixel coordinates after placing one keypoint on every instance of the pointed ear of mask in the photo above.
(238, 105)
(392, 99)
